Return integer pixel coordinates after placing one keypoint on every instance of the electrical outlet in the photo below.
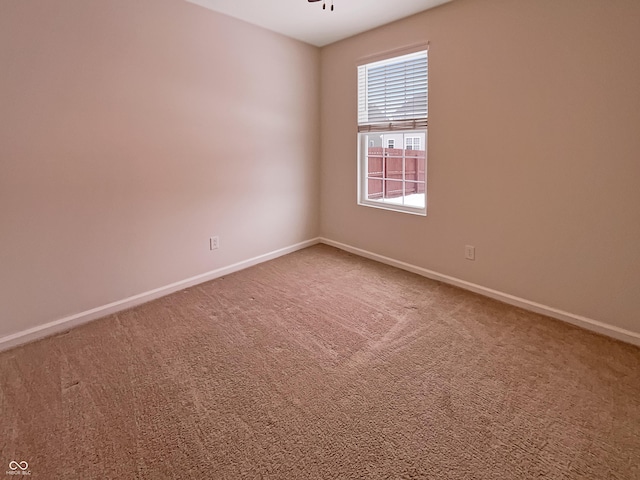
(469, 252)
(214, 243)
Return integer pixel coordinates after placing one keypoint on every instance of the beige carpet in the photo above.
(322, 365)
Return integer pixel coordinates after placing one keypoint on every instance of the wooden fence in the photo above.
(385, 172)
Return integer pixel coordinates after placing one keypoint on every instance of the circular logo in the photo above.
(13, 465)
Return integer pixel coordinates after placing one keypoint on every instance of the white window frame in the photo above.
(363, 178)
(400, 127)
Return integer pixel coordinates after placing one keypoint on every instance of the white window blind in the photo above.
(392, 94)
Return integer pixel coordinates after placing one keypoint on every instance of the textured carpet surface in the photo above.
(322, 365)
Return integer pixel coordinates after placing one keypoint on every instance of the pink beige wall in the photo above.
(131, 132)
(534, 151)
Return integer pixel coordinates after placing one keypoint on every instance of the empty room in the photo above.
(320, 239)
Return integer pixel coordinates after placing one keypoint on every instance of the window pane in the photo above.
(395, 176)
(374, 189)
(415, 193)
(375, 162)
(393, 189)
(394, 167)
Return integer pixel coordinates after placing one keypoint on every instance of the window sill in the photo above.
(422, 212)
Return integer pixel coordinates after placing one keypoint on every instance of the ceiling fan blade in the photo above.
(311, 1)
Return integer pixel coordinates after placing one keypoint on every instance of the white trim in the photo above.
(66, 323)
(393, 207)
(578, 320)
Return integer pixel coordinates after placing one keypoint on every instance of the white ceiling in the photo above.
(310, 23)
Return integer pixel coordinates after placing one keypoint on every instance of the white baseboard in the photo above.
(578, 320)
(66, 323)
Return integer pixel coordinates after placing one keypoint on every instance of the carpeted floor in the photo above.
(322, 365)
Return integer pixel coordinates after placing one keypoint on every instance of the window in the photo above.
(392, 133)
(412, 143)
